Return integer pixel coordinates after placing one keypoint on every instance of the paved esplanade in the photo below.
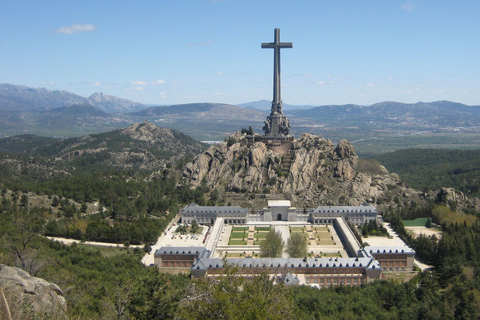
(277, 124)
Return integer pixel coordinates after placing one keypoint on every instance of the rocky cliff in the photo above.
(25, 297)
(313, 172)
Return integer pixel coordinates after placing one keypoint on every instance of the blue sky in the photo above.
(182, 51)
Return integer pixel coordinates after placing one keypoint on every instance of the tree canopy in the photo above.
(273, 245)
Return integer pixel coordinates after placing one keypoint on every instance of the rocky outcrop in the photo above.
(319, 173)
(28, 297)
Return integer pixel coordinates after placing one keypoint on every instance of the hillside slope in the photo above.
(142, 146)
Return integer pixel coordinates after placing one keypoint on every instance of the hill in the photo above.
(142, 146)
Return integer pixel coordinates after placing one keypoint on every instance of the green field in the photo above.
(419, 222)
(267, 229)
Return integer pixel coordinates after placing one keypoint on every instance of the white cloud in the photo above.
(48, 83)
(369, 85)
(162, 95)
(139, 83)
(159, 82)
(96, 84)
(329, 76)
(220, 73)
(307, 75)
(134, 89)
(321, 82)
(75, 28)
(200, 44)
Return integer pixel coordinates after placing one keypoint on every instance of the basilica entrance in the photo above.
(279, 217)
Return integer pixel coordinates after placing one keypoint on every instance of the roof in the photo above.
(389, 249)
(279, 203)
(367, 263)
(364, 208)
(180, 250)
(195, 208)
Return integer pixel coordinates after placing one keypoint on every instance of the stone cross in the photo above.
(276, 46)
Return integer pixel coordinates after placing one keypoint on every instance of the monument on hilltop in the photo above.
(277, 126)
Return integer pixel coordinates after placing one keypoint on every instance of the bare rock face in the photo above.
(315, 171)
(30, 297)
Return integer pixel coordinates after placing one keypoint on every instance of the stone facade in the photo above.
(279, 210)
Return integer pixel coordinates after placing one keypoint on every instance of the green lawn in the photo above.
(239, 229)
(237, 243)
(419, 222)
(267, 229)
(296, 229)
(261, 235)
(238, 235)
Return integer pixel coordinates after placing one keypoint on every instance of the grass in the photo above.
(239, 229)
(237, 243)
(262, 229)
(331, 254)
(238, 235)
(419, 222)
(234, 255)
(297, 229)
(262, 235)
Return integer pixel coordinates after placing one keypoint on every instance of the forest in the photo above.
(432, 169)
(127, 206)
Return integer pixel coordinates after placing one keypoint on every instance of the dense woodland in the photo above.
(133, 207)
(433, 169)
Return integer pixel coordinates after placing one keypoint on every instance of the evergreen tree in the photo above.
(296, 246)
(272, 247)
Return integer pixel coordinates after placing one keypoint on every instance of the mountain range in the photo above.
(22, 98)
(25, 110)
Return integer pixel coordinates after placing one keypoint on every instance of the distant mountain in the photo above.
(204, 121)
(25, 99)
(112, 104)
(266, 105)
(22, 98)
(76, 110)
(202, 111)
(432, 114)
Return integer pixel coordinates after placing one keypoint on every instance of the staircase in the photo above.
(287, 160)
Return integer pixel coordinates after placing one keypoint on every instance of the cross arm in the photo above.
(277, 45)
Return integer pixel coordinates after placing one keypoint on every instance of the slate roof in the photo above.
(389, 249)
(215, 210)
(364, 208)
(209, 263)
(180, 250)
